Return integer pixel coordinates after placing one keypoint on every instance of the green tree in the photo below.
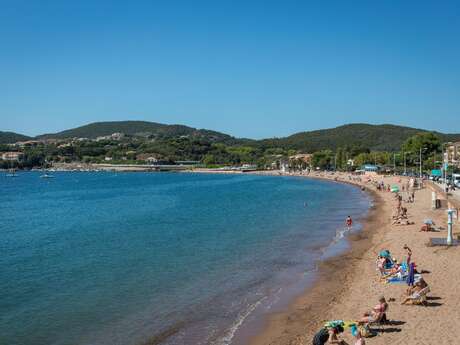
(323, 159)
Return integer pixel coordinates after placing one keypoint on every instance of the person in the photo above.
(409, 254)
(381, 265)
(413, 292)
(420, 285)
(328, 335)
(376, 314)
(349, 222)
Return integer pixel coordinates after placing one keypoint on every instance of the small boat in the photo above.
(46, 176)
(46, 173)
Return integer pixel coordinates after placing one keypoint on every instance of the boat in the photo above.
(45, 175)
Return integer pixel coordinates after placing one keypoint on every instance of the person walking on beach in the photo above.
(349, 222)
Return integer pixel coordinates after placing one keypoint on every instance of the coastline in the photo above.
(305, 314)
(348, 284)
(296, 323)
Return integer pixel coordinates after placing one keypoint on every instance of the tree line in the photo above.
(210, 153)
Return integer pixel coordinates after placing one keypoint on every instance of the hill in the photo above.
(133, 128)
(375, 137)
(11, 137)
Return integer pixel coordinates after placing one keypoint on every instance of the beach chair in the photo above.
(419, 298)
(379, 323)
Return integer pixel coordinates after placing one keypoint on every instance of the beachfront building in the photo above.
(147, 157)
(368, 169)
(452, 154)
(301, 161)
(12, 156)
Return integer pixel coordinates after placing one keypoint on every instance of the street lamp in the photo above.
(405, 169)
(420, 157)
(445, 164)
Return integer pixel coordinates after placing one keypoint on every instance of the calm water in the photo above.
(120, 258)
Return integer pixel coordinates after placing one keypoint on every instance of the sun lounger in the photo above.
(419, 297)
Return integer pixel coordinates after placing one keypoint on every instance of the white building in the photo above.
(12, 156)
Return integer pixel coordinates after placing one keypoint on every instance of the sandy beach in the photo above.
(349, 285)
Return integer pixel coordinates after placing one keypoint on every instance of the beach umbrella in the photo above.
(394, 189)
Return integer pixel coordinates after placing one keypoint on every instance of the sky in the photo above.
(252, 69)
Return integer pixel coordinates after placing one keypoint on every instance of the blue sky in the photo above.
(248, 68)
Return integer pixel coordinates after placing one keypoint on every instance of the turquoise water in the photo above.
(127, 258)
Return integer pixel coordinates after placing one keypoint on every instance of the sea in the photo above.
(96, 258)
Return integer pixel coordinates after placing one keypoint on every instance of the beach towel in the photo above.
(403, 279)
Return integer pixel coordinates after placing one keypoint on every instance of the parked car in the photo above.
(456, 180)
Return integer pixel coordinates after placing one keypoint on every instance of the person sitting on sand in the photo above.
(426, 227)
(413, 292)
(328, 335)
(397, 268)
(420, 285)
(376, 314)
(401, 221)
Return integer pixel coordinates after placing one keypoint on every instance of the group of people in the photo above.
(400, 216)
(389, 268)
(391, 271)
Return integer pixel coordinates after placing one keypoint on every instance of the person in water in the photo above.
(349, 222)
(328, 335)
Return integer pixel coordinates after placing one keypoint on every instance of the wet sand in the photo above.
(349, 284)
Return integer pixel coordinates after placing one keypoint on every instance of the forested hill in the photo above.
(374, 137)
(140, 128)
(11, 137)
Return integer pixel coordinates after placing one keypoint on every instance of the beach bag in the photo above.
(365, 331)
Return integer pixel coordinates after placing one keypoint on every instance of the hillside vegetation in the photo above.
(136, 128)
(373, 137)
(11, 137)
(331, 148)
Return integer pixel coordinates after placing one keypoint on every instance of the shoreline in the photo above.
(348, 284)
(297, 323)
(304, 314)
(355, 284)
